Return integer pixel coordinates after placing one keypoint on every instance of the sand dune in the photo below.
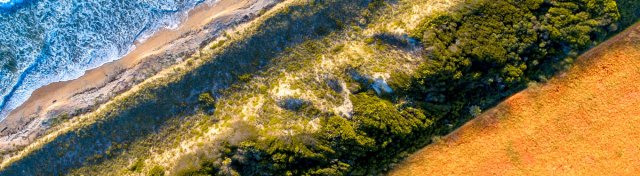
(96, 86)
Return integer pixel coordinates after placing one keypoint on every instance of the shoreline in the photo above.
(96, 86)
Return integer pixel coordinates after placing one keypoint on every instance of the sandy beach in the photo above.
(164, 48)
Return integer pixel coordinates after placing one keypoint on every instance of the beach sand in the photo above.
(30, 120)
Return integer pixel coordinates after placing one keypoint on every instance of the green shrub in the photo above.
(156, 171)
(137, 165)
(207, 101)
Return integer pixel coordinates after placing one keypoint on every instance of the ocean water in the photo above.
(46, 41)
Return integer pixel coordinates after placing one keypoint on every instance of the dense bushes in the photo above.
(377, 131)
(629, 12)
(491, 49)
(383, 130)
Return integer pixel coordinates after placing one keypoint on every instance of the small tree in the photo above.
(207, 102)
(475, 111)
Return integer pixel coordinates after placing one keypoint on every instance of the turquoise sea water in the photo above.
(45, 41)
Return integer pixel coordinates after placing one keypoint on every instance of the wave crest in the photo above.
(51, 40)
(9, 4)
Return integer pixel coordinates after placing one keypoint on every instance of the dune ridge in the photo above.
(163, 49)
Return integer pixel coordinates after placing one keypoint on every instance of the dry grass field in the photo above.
(585, 121)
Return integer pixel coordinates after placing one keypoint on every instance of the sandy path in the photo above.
(25, 123)
(583, 122)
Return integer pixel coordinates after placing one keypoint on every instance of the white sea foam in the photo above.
(60, 40)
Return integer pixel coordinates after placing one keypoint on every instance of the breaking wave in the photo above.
(46, 41)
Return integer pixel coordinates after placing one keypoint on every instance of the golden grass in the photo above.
(582, 122)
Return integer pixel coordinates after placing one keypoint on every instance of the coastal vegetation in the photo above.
(488, 51)
(328, 87)
(629, 12)
(565, 121)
